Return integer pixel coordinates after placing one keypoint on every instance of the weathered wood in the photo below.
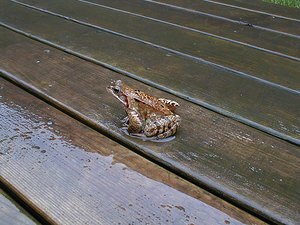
(77, 176)
(243, 164)
(12, 213)
(192, 44)
(260, 104)
(264, 39)
(273, 22)
(264, 6)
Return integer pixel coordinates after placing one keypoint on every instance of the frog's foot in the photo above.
(163, 127)
(172, 105)
(125, 121)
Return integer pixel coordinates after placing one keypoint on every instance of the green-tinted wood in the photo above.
(77, 176)
(264, 6)
(225, 29)
(247, 166)
(265, 106)
(11, 212)
(231, 55)
(272, 22)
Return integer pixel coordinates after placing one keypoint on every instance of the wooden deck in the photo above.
(233, 66)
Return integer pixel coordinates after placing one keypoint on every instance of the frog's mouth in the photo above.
(120, 97)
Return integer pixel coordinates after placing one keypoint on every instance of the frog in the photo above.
(147, 116)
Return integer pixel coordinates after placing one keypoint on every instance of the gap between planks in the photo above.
(45, 219)
(218, 110)
(195, 30)
(235, 115)
(34, 90)
(251, 10)
(120, 155)
(230, 20)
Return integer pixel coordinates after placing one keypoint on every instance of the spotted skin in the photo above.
(172, 105)
(148, 116)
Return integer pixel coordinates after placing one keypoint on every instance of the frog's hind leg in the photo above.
(171, 126)
(172, 105)
(163, 127)
(135, 122)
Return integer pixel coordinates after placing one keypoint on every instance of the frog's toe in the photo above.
(125, 120)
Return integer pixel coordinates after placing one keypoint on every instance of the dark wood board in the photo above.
(75, 175)
(245, 165)
(247, 35)
(11, 212)
(260, 104)
(189, 43)
(264, 6)
(260, 20)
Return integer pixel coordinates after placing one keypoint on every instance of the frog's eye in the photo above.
(116, 89)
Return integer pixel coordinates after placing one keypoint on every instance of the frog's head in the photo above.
(117, 89)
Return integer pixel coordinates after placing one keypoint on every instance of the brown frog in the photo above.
(148, 116)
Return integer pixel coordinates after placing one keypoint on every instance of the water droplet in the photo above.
(38, 61)
(49, 123)
(47, 51)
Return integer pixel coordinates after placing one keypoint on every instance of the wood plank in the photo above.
(244, 165)
(241, 97)
(12, 213)
(266, 7)
(205, 24)
(191, 44)
(260, 20)
(77, 176)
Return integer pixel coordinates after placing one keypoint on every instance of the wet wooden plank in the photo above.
(12, 213)
(193, 45)
(77, 176)
(255, 102)
(273, 22)
(244, 165)
(265, 40)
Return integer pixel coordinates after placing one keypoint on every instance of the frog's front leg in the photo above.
(162, 127)
(135, 123)
(172, 105)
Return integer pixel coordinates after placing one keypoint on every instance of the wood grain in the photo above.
(205, 24)
(78, 176)
(268, 107)
(273, 22)
(189, 43)
(249, 167)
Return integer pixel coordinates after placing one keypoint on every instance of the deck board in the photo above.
(245, 165)
(254, 102)
(266, 7)
(190, 44)
(288, 24)
(75, 175)
(208, 25)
